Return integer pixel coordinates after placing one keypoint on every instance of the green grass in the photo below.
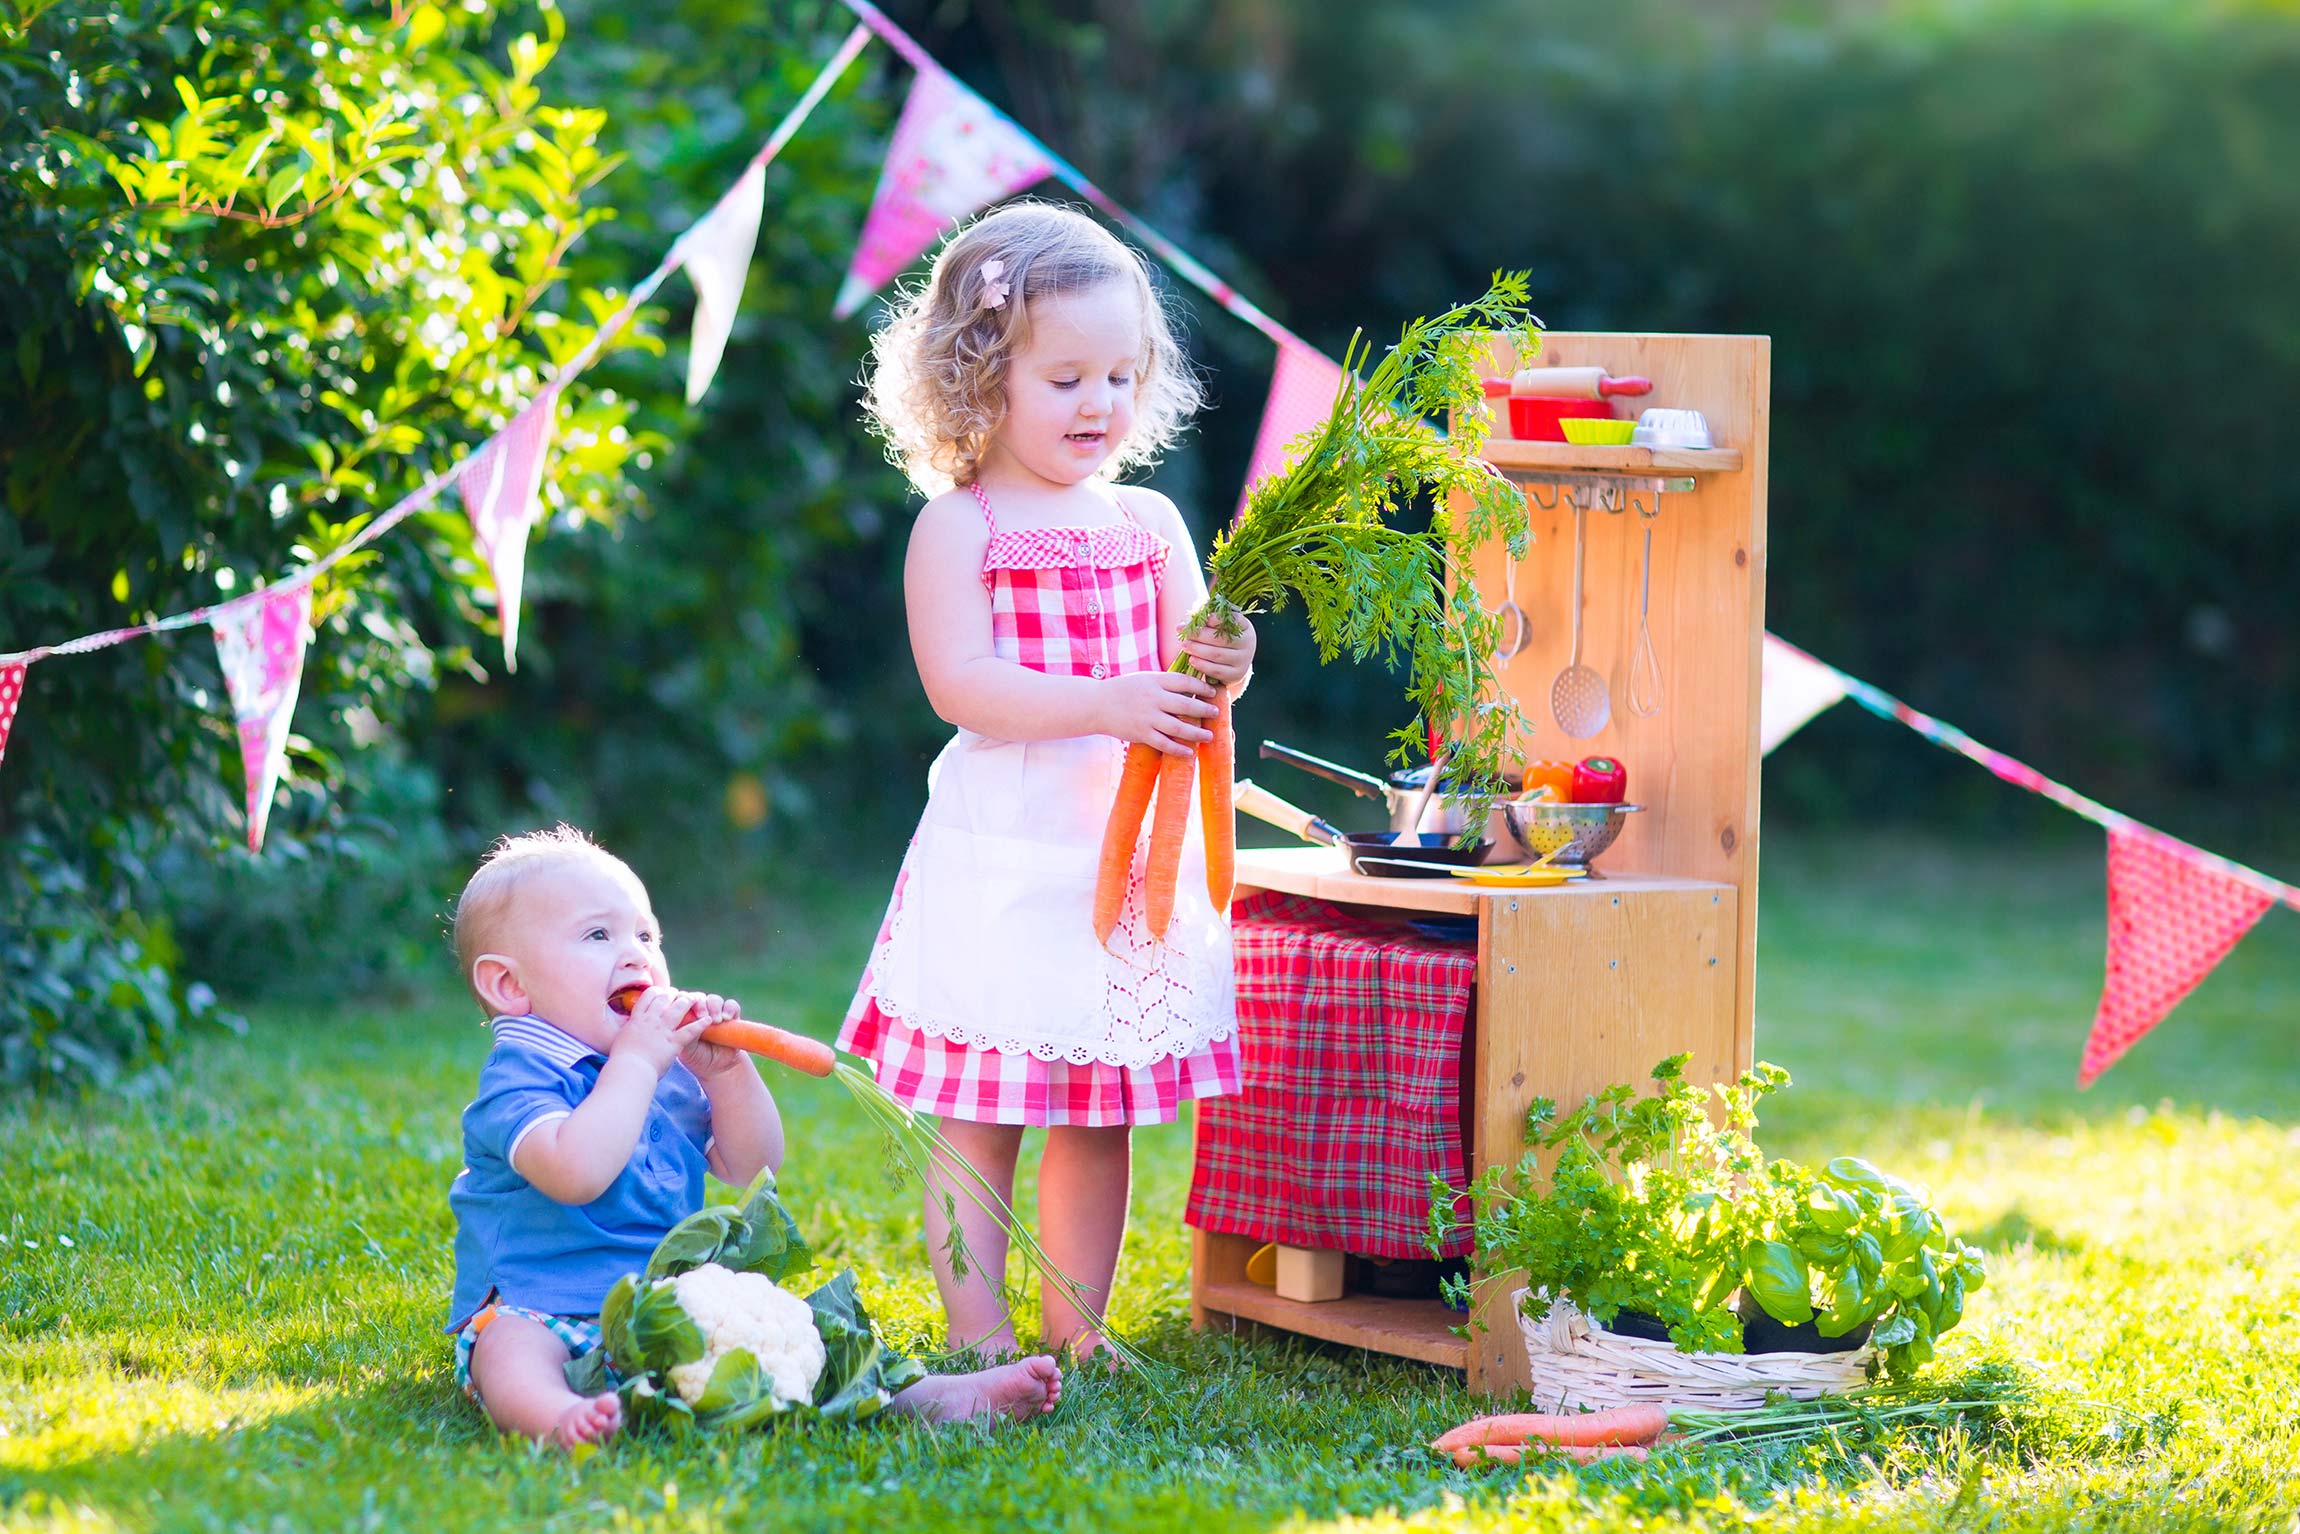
(241, 1332)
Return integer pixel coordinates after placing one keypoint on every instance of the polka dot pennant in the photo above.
(11, 694)
(2170, 920)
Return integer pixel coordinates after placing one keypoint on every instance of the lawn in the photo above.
(219, 1297)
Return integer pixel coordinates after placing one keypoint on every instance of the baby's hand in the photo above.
(1222, 660)
(1158, 708)
(703, 1057)
(663, 1023)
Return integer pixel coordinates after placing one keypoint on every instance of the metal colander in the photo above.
(1579, 831)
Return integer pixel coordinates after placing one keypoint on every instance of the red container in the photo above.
(1534, 417)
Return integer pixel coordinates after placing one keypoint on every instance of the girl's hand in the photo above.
(660, 1027)
(1159, 709)
(1222, 661)
(703, 1057)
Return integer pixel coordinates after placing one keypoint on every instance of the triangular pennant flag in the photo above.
(953, 154)
(11, 694)
(2170, 920)
(1302, 394)
(1795, 688)
(498, 486)
(718, 257)
(260, 642)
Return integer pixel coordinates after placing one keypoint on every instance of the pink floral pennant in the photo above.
(260, 642)
(2170, 920)
(953, 154)
(498, 485)
(11, 694)
(1302, 394)
(717, 252)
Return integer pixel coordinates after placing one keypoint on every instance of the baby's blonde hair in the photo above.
(492, 892)
(936, 388)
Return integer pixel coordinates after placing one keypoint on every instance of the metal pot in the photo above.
(1403, 794)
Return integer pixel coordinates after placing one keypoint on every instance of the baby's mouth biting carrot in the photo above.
(794, 1050)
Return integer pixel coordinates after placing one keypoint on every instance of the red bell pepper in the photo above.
(1600, 780)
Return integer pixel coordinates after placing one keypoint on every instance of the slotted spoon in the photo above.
(1578, 698)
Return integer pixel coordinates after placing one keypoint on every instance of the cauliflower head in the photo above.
(748, 1313)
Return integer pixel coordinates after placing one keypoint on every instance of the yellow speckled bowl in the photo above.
(1592, 431)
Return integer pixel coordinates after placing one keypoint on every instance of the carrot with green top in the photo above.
(1119, 834)
(1217, 772)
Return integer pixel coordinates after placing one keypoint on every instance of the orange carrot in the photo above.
(1119, 834)
(1473, 1455)
(1620, 1425)
(794, 1050)
(1168, 825)
(1217, 767)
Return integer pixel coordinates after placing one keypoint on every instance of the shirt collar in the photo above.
(551, 1042)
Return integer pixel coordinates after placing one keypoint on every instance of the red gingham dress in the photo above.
(987, 996)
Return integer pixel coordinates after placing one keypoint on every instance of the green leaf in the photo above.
(424, 26)
(736, 1380)
(1893, 1333)
(768, 1241)
(695, 1240)
(1776, 1275)
(860, 1373)
(664, 1334)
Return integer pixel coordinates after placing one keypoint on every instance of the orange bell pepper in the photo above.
(1555, 776)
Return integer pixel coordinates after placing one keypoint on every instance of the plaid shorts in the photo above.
(580, 1334)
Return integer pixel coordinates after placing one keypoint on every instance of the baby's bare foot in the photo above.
(1023, 1389)
(593, 1420)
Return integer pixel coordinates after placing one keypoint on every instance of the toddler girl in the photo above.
(1045, 603)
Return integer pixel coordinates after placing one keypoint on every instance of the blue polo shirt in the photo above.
(525, 1247)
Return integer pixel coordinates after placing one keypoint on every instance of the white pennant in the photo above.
(1795, 688)
(718, 252)
(260, 643)
(498, 485)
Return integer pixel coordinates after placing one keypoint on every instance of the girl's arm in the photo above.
(1229, 662)
(972, 688)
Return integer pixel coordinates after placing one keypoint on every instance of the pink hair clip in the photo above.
(994, 284)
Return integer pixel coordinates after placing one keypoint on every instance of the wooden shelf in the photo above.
(1568, 457)
(1322, 873)
(1420, 1329)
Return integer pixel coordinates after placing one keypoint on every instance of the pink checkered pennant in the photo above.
(953, 154)
(717, 253)
(1302, 394)
(2170, 920)
(11, 694)
(498, 485)
(260, 641)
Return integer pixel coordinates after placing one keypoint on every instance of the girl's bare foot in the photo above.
(592, 1420)
(1026, 1388)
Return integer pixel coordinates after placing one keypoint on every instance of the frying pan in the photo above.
(1376, 854)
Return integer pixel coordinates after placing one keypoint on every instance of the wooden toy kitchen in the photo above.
(1568, 988)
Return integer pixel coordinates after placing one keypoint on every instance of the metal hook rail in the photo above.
(1594, 490)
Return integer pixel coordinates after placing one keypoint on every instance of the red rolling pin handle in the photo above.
(797, 1051)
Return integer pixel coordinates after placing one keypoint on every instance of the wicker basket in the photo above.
(1575, 1362)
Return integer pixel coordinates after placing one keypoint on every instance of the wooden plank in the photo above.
(1572, 997)
(1569, 457)
(1420, 1329)
(1322, 874)
(1694, 763)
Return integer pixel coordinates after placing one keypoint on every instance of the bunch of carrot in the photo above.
(1323, 533)
(1623, 1432)
(1214, 767)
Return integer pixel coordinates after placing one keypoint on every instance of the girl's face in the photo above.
(1070, 391)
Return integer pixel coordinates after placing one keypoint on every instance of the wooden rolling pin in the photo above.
(1575, 383)
(794, 1050)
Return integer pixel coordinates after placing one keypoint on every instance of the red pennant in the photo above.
(1302, 394)
(2170, 921)
(11, 694)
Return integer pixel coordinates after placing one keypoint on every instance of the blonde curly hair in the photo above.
(936, 387)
